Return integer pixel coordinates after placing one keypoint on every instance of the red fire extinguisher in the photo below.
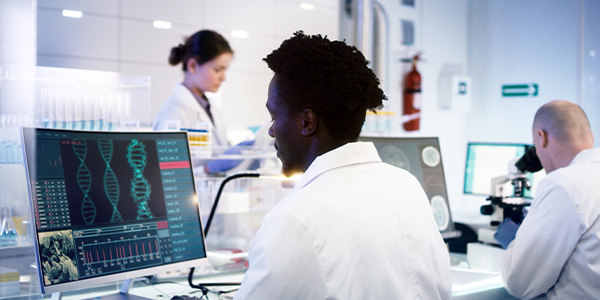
(411, 114)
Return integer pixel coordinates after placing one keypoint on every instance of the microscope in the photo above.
(486, 253)
(503, 207)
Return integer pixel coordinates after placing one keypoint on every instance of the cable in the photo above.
(202, 287)
(214, 207)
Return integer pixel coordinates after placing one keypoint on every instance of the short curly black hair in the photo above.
(329, 77)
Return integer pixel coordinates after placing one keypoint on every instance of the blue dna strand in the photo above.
(140, 187)
(84, 180)
(111, 185)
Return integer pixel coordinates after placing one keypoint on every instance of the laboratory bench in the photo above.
(467, 284)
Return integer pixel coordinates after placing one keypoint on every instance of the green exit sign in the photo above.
(520, 90)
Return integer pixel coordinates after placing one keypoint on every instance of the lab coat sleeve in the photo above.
(543, 244)
(283, 262)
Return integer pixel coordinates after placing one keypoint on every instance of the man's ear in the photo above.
(310, 122)
(543, 137)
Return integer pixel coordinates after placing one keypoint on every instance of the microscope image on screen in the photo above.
(404, 156)
(57, 252)
(92, 184)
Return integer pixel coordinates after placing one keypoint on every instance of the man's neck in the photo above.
(320, 147)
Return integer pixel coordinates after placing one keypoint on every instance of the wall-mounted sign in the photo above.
(520, 90)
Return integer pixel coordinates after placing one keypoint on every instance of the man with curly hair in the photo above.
(354, 227)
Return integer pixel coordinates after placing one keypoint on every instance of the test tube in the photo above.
(50, 100)
(126, 117)
(42, 111)
(69, 118)
(59, 109)
(87, 111)
(2, 138)
(113, 115)
(76, 107)
(103, 111)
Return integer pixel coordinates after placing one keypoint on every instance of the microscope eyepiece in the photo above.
(529, 162)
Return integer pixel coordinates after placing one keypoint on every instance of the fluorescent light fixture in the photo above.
(72, 13)
(162, 24)
(307, 6)
(240, 34)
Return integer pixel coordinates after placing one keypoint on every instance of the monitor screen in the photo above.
(422, 158)
(111, 205)
(489, 160)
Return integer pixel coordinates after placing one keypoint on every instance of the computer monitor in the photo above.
(489, 160)
(111, 206)
(422, 158)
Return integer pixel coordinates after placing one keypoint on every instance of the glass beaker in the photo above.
(8, 231)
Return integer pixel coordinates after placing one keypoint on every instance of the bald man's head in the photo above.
(564, 120)
(560, 131)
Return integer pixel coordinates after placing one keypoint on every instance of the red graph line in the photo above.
(143, 249)
(98, 257)
(130, 253)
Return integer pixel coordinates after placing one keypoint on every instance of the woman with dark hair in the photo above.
(205, 56)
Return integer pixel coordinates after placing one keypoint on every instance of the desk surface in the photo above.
(467, 284)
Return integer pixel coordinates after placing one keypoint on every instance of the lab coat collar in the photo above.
(346, 155)
(187, 98)
(592, 154)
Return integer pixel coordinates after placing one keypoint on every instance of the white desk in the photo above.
(466, 285)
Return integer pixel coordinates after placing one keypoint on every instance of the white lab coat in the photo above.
(557, 247)
(183, 106)
(353, 228)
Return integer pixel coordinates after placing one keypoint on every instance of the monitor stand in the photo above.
(123, 294)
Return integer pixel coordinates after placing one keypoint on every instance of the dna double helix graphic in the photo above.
(140, 187)
(111, 185)
(84, 180)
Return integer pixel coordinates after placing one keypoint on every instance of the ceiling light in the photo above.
(240, 34)
(162, 24)
(72, 13)
(307, 6)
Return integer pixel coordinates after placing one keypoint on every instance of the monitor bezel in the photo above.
(108, 278)
(469, 144)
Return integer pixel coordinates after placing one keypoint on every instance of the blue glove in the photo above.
(222, 165)
(506, 232)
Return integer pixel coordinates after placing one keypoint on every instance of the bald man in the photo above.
(556, 252)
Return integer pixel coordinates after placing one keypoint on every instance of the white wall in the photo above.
(591, 66)
(515, 42)
(117, 35)
(17, 43)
